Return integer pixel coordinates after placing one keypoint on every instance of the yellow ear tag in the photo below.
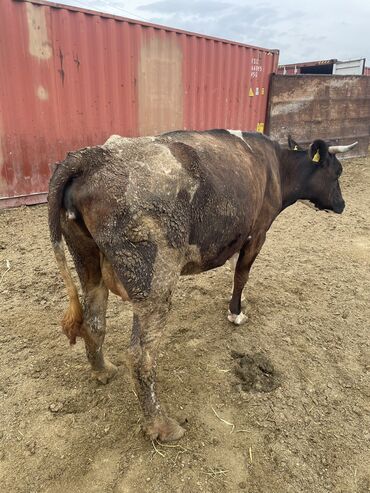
(295, 148)
(316, 157)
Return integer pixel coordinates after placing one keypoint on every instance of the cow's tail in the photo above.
(64, 173)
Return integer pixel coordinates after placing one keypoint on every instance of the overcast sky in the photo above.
(301, 30)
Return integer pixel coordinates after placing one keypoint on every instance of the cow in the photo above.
(136, 213)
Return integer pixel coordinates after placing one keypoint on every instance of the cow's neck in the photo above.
(294, 177)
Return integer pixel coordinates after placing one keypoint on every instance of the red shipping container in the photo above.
(70, 78)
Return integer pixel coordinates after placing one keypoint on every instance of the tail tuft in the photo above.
(73, 317)
(73, 320)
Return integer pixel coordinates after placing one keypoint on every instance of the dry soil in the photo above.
(294, 417)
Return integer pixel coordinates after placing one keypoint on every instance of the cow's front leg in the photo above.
(244, 263)
(148, 322)
(235, 314)
(233, 261)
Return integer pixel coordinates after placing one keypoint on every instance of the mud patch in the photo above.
(256, 373)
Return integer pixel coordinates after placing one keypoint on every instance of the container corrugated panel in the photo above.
(71, 78)
(335, 108)
(367, 71)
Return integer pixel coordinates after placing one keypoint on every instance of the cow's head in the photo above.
(322, 187)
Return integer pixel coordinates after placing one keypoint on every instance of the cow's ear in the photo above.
(318, 151)
(292, 144)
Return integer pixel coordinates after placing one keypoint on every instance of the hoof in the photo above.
(105, 375)
(237, 319)
(164, 429)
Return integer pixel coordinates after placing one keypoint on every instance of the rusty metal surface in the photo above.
(334, 108)
(74, 77)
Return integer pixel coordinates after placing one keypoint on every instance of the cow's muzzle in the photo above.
(339, 207)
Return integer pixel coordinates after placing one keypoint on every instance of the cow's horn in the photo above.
(335, 149)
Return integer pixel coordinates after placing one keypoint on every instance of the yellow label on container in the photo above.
(251, 93)
(260, 127)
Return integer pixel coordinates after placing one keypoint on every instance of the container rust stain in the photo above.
(38, 45)
(160, 85)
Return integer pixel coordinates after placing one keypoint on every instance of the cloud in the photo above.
(301, 31)
(246, 23)
(200, 7)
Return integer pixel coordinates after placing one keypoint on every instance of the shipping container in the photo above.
(367, 71)
(335, 108)
(319, 66)
(70, 78)
(324, 67)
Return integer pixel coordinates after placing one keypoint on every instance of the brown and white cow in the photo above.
(138, 213)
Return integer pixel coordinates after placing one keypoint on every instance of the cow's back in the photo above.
(201, 189)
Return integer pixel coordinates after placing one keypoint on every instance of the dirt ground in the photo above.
(295, 417)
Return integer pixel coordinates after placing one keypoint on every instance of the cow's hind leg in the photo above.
(148, 270)
(95, 307)
(148, 322)
(86, 256)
